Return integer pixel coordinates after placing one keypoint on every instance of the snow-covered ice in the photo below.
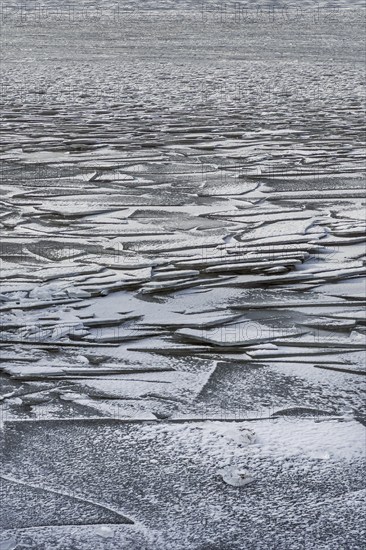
(182, 337)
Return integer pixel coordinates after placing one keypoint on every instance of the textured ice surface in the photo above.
(183, 245)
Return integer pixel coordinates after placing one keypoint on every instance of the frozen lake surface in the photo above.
(182, 275)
